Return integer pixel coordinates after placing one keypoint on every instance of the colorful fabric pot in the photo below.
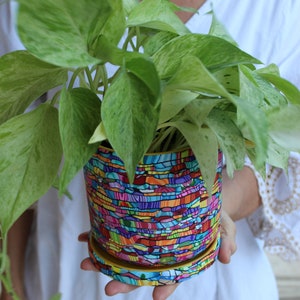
(161, 229)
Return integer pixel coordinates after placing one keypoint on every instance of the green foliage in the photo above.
(130, 118)
(139, 79)
(284, 127)
(54, 32)
(157, 15)
(214, 52)
(30, 156)
(24, 78)
(75, 131)
(56, 297)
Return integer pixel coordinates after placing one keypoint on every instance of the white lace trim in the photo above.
(277, 222)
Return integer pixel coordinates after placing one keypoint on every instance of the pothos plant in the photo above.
(130, 73)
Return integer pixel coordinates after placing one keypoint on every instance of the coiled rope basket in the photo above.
(163, 228)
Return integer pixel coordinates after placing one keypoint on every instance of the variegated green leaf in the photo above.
(30, 158)
(193, 75)
(205, 147)
(137, 63)
(79, 115)
(198, 110)
(229, 138)
(24, 78)
(173, 101)
(291, 92)
(158, 14)
(53, 31)
(218, 29)
(129, 5)
(284, 126)
(253, 124)
(215, 53)
(130, 115)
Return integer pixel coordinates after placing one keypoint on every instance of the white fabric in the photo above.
(9, 40)
(268, 29)
(278, 221)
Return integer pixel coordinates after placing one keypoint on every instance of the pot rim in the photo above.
(111, 150)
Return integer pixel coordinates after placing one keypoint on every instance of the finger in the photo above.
(228, 244)
(164, 291)
(115, 287)
(87, 265)
(83, 237)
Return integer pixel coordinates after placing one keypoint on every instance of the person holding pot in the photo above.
(262, 210)
(259, 208)
(268, 209)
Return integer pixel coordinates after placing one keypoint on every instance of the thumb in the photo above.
(228, 234)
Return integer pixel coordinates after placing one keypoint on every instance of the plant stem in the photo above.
(55, 98)
(129, 39)
(138, 38)
(5, 276)
(90, 79)
(101, 73)
(82, 79)
(157, 143)
(168, 140)
(7, 284)
(3, 247)
(73, 78)
(165, 140)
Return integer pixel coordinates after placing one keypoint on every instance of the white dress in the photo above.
(269, 30)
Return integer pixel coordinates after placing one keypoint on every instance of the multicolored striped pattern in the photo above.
(163, 219)
(152, 276)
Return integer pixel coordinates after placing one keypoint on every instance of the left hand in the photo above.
(115, 287)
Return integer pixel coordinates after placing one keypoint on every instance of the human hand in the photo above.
(227, 248)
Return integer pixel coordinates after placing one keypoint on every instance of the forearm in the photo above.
(240, 194)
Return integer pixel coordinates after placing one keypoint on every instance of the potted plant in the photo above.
(167, 90)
